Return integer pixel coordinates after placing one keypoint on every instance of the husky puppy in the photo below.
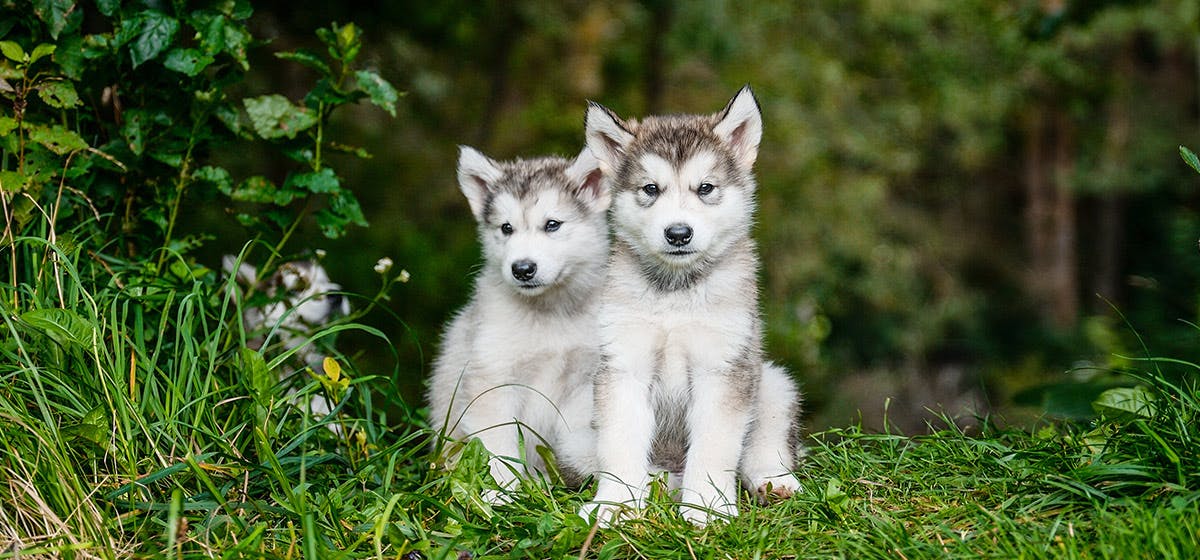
(303, 298)
(515, 364)
(683, 386)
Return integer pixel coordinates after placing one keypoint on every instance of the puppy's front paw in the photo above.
(605, 514)
(612, 503)
(701, 516)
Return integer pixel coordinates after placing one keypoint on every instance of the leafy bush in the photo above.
(127, 388)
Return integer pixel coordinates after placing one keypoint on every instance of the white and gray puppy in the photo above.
(683, 386)
(302, 299)
(515, 364)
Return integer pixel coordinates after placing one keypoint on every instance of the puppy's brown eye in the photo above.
(650, 189)
(705, 189)
(506, 228)
(552, 225)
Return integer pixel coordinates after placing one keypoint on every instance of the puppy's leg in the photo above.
(492, 418)
(574, 436)
(624, 428)
(717, 423)
(770, 454)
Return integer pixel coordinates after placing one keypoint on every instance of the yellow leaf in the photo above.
(332, 369)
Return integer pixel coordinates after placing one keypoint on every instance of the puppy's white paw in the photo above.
(605, 514)
(612, 503)
(701, 516)
(769, 489)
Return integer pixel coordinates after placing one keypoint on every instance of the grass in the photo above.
(136, 421)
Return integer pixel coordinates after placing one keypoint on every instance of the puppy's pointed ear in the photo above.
(739, 124)
(587, 181)
(245, 274)
(607, 135)
(477, 177)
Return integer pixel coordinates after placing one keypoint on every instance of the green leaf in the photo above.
(12, 51)
(273, 116)
(231, 118)
(57, 139)
(59, 94)
(108, 7)
(7, 125)
(349, 41)
(237, 39)
(1125, 403)
(92, 428)
(346, 204)
(155, 33)
(255, 189)
(1190, 157)
(168, 156)
(323, 181)
(70, 56)
(218, 176)
(55, 14)
(307, 58)
(259, 379)
(40, 51)
(11, 181)
(187, 61)
(343, 211)
(135, 129)
(64, 326)
(835, 497)
(379, 90)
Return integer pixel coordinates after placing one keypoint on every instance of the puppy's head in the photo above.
(541, 221)
(301, 287)
(682, 185)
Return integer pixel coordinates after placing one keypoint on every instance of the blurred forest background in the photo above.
(961, 202)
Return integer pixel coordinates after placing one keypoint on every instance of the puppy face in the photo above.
(681, 213)
(540, 220)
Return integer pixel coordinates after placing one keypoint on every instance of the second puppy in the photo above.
(515, 364)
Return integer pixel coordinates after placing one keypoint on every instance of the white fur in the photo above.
(516, 361)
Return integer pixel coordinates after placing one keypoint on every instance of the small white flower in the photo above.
(382, 266)
(404, 276)
(320, 254)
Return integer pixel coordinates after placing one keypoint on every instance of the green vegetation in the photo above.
(140, 418)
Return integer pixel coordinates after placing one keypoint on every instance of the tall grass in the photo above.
(134, 415)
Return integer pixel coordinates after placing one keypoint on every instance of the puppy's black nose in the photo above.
(524, 270)
(678, 235)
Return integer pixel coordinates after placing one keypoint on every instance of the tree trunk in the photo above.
(1110, 218)
(655, 78)
(509, 28)
(1053, 279)
(1064, 259)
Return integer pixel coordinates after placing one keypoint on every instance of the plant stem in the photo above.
(180, 186)
(275, 251)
